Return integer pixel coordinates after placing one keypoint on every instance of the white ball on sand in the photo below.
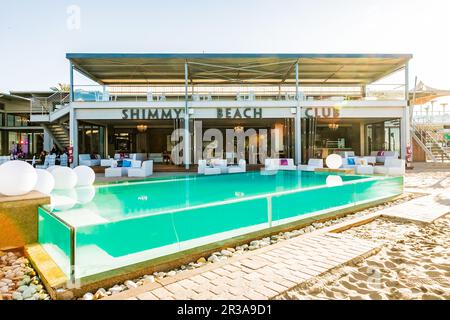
(86, 176)
(333, 161)
(65, 178)
(334, 181)
(45, 181)
(17, 178)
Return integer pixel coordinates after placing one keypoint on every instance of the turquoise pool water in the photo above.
(101, 228)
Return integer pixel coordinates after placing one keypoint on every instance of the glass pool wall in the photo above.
(92, 249)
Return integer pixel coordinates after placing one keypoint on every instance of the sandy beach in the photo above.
(413, 263)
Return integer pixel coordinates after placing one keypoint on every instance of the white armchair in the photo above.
(241, 167)
(312, 165)
(392, 166)
(144, 171)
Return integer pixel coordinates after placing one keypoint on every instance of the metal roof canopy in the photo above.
(236, 68)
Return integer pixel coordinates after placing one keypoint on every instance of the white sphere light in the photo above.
(333, 161)
(334, 181)
(85, 194)
(17, 178)
(65, 178)
(45, 181)
(51, 168)
(63, 199)
(86, 176)
(62, 203)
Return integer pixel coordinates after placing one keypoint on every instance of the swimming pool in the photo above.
(102, 228)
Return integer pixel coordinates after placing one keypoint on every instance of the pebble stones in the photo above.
(88, 296)
(18, 280)
(130, 284)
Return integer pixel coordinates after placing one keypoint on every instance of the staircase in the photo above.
(52, 113)
(59, 133)
(431, 141)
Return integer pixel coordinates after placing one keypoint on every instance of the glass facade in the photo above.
(91, 139)
(383, 136)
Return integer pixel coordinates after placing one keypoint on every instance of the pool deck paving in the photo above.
(269, 271)
(424, 209)
(260, 274)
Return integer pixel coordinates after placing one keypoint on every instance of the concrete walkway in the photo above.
(424, 209)
(260, 274)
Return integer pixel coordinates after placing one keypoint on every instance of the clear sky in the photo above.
(35, 35)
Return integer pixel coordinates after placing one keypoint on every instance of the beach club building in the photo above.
(316, 103)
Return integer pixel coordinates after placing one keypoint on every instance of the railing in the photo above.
(436, 117)
(429, 138)
(97, 93)
(43, 106)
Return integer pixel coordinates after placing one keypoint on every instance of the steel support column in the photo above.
(73, 131)
(186, 151)
(71, 82)
(298, 121)
(406, 120)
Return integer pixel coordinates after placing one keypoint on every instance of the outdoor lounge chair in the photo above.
(144, 171)
(85, 160)
(392, 167)
(241, 167)
(63, 160)
(49, 161)
(312, 165)
(156, 157)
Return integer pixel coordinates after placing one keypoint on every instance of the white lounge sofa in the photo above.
(239, 168)
(156, 157)
(144, 171)
(208, 170)
(279, 164)
(382, 155)
(138, 156)
(115, 171)
(392, 167)
(85, 160)
(219, 163)
(345, 154)
(312, 165)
